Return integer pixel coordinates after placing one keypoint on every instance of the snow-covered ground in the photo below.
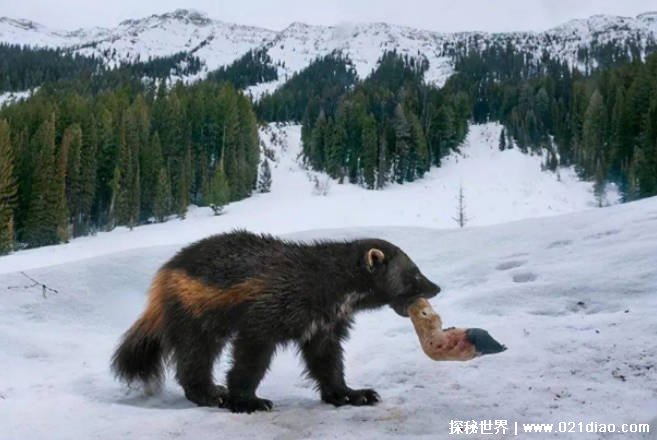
(573, 296)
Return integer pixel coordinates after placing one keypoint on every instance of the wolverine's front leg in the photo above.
(251, 358)
(323, 356)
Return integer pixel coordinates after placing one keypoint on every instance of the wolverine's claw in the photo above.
(352, 397)
(248, 404)
(363, 397)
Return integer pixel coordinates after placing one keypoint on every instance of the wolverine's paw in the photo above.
(214, 396)
(352, 397)
(240, 404)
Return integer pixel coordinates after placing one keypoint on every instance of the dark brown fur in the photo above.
(260, 292)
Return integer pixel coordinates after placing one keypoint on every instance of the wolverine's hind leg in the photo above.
(251, 358)
(194, 354)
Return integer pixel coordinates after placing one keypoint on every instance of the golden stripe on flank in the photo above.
(152, 318)
(195, 295)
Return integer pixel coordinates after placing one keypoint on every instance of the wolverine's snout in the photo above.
(433, 290)
(427, 290)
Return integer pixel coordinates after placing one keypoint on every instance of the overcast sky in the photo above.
(439, 15)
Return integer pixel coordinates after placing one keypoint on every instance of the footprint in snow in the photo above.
(559, 243)
(524, 277)
(603, 234)
(519, 254)
(506, 265)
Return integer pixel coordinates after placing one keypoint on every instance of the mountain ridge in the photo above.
(202, 17)
(218, 43)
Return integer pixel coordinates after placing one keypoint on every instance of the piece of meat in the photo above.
(453, 344)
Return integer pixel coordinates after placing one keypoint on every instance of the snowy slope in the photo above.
(29, 33)
(217, 43)
(498, 187)
(8, 98)
(298, 45)
(574, 297)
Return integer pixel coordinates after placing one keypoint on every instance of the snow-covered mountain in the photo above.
(215, 42)
(299, 44)
(218, 43)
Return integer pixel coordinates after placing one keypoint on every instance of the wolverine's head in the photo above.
(396, 279)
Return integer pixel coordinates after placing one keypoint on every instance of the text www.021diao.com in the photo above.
(503, 427)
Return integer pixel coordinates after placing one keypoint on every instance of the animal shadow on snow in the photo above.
(165, 399)
(170, 399)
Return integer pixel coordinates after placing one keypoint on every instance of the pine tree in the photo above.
(128, 198)
(370, 145)
(8, 190)
(41, 224)
(249, 146)
(124, 175)
(593, 135)
(443, 134)
(599, 184)
(382, 164)
(643, 179)
(114, 201)
(218, 194)
(107, 185)
(264, 181)
(162, 196)
(335, 142)
(57, 193)
(88, 170)
(184, 183)
(402, 167)
(137, 138)
(72, 143)
(151, 163)
(316, 153)
(618, 139)
(229, 123)
(419, 161)
(135, 199)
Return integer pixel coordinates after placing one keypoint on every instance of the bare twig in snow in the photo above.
(35, 283)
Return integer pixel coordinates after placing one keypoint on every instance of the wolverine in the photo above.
(261, 292)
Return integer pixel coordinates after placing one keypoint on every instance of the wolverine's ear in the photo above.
(373, 258)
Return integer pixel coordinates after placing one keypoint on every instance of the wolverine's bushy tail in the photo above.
(140, 355)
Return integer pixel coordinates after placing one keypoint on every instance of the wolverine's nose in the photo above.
(433, 290)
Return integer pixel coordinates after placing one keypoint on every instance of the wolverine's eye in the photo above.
(418, 277)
